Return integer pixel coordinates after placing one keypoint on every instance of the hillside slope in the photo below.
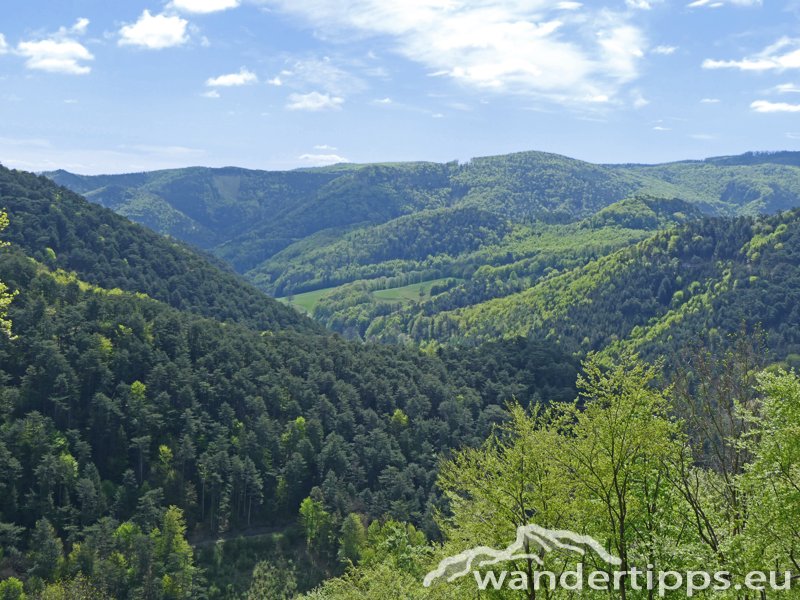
(706, 278)
(204, 207)
(63, 231)
(124, 420)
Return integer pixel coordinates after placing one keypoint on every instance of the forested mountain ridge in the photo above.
(132, 417)
(63, 231)
(369, 195)
(709, 276)
(247, 216)
(202, 206)
(515, 263)
(352, 243)
(126, 423)
(223, 203)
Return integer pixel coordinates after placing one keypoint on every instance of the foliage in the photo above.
(63, 231)
(272, 581)
(709, 276)
(124, 406)
(12, 589)
(501, 224)
(121, 417)
(526, 256)
(129, 427)
(616, 465)
(185, 406)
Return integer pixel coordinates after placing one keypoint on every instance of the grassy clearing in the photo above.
(306, 301)
(409, 293)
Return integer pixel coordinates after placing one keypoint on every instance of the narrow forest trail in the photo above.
(205, 541)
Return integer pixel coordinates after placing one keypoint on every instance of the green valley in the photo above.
(329, 239)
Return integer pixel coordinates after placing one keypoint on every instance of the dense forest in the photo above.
(245, 216)
(694, 475)
(601, 349)
(708, 277)
(127, 424)
(61, 230)
(524, 258)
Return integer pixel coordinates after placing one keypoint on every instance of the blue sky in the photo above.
(94, 86)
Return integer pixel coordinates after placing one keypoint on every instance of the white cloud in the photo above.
(661, 128)
(56, 56)
(566, 5)
(664, 50)
(621, 49)
(764, 106)
(204, 6)
(322, 159)
(210, 94)
(155, 32)
(382, 101)
(276, 81)
(786, 88)
(3, 44)
(721, 3)
(783, 54)
(80, 26)
(243, 77)
(534, 47)
(314, 101)
(710, 101)
(59, 52)
(325, 147)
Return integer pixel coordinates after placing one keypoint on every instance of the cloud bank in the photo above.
(534, 47)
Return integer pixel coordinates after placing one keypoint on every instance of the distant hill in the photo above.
(202, 206)
(63, 231)
(701, 280)
(223, 203)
